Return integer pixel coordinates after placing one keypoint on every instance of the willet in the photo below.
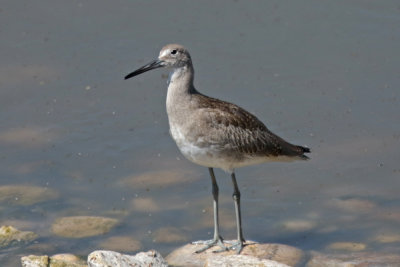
(215, 134)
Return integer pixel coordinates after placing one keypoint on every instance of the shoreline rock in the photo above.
(263, 254)
(103, 258)
(254, 254)
(58, 260)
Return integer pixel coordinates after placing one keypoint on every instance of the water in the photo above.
(322, 74)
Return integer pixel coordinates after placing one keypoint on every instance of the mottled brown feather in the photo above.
(243, 131)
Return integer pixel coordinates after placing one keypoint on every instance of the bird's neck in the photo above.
(181, 79)
(180, 85)
(180, 90)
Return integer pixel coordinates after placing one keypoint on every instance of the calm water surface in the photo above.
(322, 74)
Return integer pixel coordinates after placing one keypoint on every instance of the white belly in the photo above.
(204, 156)
(211, 155)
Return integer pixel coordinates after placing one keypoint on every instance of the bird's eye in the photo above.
(173, 52)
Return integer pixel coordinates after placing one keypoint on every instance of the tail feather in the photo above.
(304, 150)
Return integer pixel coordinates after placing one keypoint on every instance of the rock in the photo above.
(169, 235)
(354, 205)
(10, 236)
(355, 259)
(298, 225)
(25, 195)
(35, 261)
(27, 137)
(121, 243)
(186, 256)
(59, 260)
(82, 226)
(145, 205)
(349, 246)
(387, 238)
(241, 261)
(103, 258)
(66, 260)
(158, 179)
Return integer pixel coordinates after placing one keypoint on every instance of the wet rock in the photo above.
(145, 205)
(35, 261)
(169, 235)
(82, 226)
(298, 225)
(102, 258)
(158, 179)
(354, 205)
(387, 238)
(241, 261)
(59, 260)
(25, 195)
(10, 236)
(355, 259)
(283, 254)
(349, 246)
(28, 137)
(121, 243)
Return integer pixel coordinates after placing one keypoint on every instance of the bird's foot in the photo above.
(211, 243)
(236, 245)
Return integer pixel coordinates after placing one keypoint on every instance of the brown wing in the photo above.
(243, 132)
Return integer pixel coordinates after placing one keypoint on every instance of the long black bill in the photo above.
(152, 65)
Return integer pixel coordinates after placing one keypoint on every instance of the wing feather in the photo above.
(241, 131)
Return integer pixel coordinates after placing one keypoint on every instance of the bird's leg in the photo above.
(217, 240)
(237, 245)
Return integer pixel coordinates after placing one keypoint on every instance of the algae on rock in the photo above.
(25, 195)
(82, 226)
(10, 236)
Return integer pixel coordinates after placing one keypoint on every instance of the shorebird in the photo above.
(215, 134)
